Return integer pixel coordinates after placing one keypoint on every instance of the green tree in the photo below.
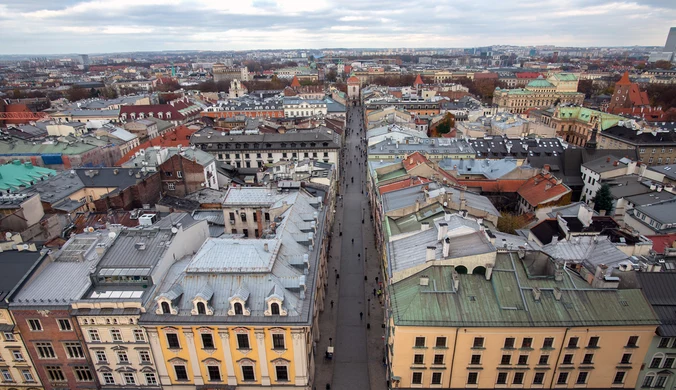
(662, 64)
(76, 93)
(331, 76)
(603, 200)
(509, 223)
(447, 124)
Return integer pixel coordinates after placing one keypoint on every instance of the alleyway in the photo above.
(357, 363)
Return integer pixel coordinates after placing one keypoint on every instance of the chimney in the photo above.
(100, 249)
(546, 168)
(489, 271)
(456, 280)
(558, 275)
(424, 226)
(446, 247)
(430, 253)
(443, 229)
(417, 205)
(463, 201)
(536, 294)
(424, 280)
(557, 293)
(548, 186)
(600, 271)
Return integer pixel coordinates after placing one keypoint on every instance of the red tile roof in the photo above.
(662, 242)
(542, 188)
(414, 159)
(528, 75)
(398, 185)
(295, 82)
(163, 108)
(178, 136)
(510, 186)
(418, 81)
(353, 80)
(624, 80)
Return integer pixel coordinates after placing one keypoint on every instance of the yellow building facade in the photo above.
(16, 366)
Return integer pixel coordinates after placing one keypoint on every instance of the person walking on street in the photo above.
(331, 304)
(361, 315)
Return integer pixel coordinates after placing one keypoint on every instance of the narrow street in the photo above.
(358, 358)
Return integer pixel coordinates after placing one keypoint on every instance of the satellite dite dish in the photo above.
(174, 230)
(25, 247)
(8, 236)
(112, 235)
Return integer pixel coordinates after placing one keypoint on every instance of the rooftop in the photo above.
(15, 265)
(16, 175)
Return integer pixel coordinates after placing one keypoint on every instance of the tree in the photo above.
(169, 86)
(76, 93)
(446, 125)
(603, 200)
(586, 87)
(331, 76)
(509, 223)
(662, 64)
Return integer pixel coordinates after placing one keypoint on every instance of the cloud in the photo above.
(95, 26)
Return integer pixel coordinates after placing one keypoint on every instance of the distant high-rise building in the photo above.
(85, 60)
(671, 41)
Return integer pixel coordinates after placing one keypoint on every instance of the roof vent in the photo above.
(424, 280)
(140, 246)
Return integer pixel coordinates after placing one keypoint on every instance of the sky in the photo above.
(103, 26)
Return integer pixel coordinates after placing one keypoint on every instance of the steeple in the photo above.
(624, 80)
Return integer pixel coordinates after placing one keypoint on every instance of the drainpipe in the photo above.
(551, 383)
(455, 343)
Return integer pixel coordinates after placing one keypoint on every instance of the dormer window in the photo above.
(201, 308)
(238, 302)
(238, 308)
(201, 301)
(166, 309)
(274, 308)
(274, 302)
(167, 302)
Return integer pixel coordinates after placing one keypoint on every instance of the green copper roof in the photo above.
(584, 114)
(565, 76)
(16, 175)
(507, 300)
(540, 83)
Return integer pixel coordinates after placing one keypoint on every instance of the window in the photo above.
(441, 342)
(588, 358)
(582, 378)
(45, 350)
(632, 342)
(518, 378)
(593, 342)
(179, 174)
(626, 358)
(27, 376)
(94, 335)
(171, 187)
(151, 379)
(664, 342)
(6, 375)
(232, 217)
(83, 374)
(668, 362)
(74, 350)
(144, 356)
(274, 307)
(122, 357)
(568, 358)
(502, 378)
(418, 359)
(478, 342)
(509, 343)
(661, 380)
(9, 336)
(243, 341)
(278, 341)
(527, 342)
(420, 342)
(242, 216)
(55, 374)
(523, 360)
(544, 360)
(245, 232)
(506, 359)
(17, 356)
(476, 359)
(648, 381)
(172, 341)
(166, 309)
(438, 359)
(417, 378)
(572, 342)
(101, 356)
(139, 337)
(35, 325)
(619, 377)
(64, 324)
(562, 379)
(656, 362)
(181, 373)
(548, 342)
(282, 373)
(538, 378)
(248, 373)
(472, 378)
(116, 335)
(214, 373)
(108, 378)
(238, 308)
(207, 341)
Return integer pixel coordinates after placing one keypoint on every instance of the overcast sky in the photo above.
(96, 26)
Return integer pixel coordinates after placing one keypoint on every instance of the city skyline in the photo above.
(40, 27)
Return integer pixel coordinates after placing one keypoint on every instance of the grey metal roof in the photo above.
(590, 251)
(667, 170)
(14, 265)
(216, 141)
(243, 268)
(491, 169)
(211, 216)
(658, 288)
(663, 211)
(154, 156)
(138, 247)
(260, 196)
(606, 163)
(649, 198)
(423, 145)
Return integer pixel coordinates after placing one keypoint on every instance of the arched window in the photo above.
(201, 308)
(165, 308)
(274, 308)
(479, 270)
(461, 269)
(238, 308)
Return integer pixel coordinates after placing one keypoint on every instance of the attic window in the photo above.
(238, 308)
(166, 309)
(472, 298)
(624, 303)
(274, 308)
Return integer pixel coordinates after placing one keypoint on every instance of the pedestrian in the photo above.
(337, 277)
(376, 279)
(374, 292)
(361, 315)
(331, 304)
(366, 278)
(353, 241)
